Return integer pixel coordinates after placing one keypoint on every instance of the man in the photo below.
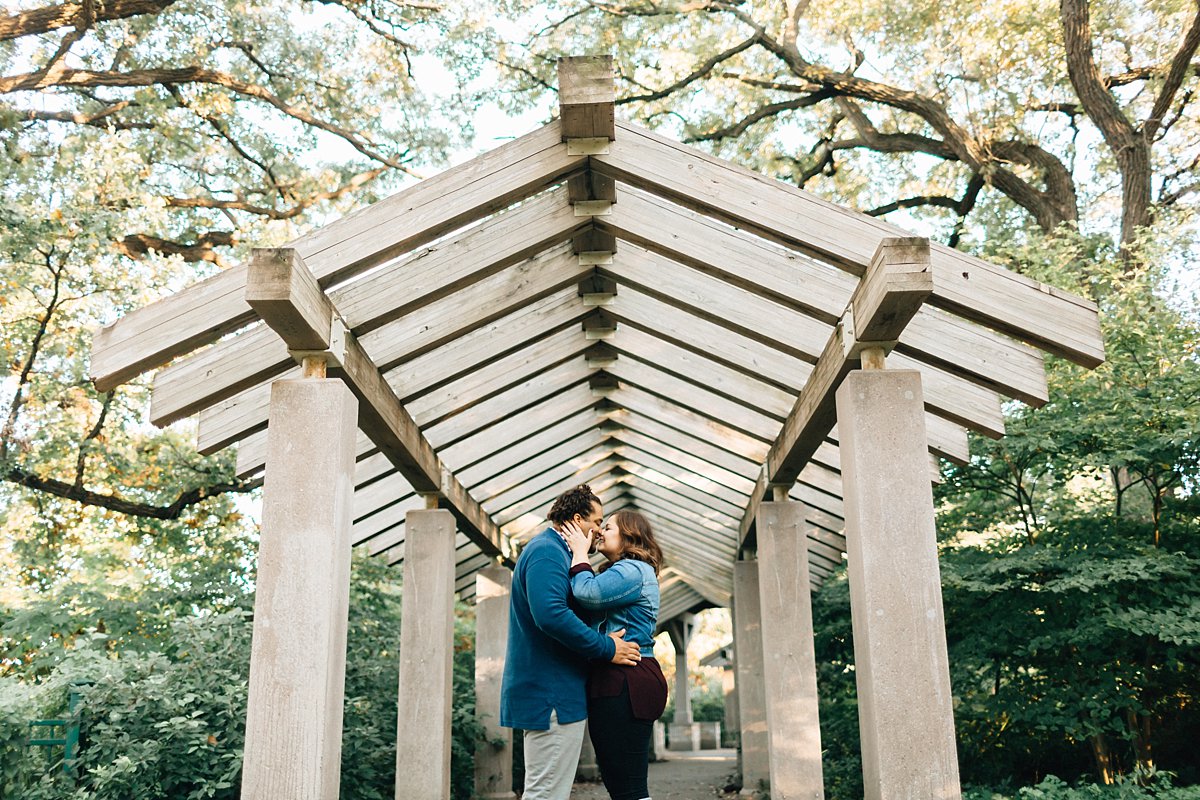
(545, 672)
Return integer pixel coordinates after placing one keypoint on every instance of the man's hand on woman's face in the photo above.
(579, 542)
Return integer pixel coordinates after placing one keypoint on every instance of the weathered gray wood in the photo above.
(585, 97)
(888, 296)
(151, 336)
(434, 326)
(385, 420)
(234, 419)
(388, 294)
(821, 291)
(1050, 318)
(711, 300)
(290, 297)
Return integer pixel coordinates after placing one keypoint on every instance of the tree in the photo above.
(899, 108)
(146, 144)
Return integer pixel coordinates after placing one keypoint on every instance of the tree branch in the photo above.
(700, 72)
(50, 18)
(67, 491)
(1180, 66)
(180, 75)
(300, 206)
(758, 115)
(137, 245)
(93, 434)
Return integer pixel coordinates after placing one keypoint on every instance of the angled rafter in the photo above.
(897, 282)
(287, 296)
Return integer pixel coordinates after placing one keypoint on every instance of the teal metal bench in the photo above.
(69, 740)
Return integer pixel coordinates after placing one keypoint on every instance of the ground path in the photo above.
(682, 776)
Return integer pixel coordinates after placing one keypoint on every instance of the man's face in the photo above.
(591, 524)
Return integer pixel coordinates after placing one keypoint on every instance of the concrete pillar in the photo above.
(587, 771)
(680, 631)
(789, 664)
(901, 667)
(748, 659)
(729, 693)
(658, 742)
(493, 758)
(301, 603)
(426, 657)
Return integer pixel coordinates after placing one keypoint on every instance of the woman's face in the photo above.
(610, 545)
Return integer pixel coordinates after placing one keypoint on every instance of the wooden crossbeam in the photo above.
(280, 288)
(1050, 318)
(153, 335)
(897, 282)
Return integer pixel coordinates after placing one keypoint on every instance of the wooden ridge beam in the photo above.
(1047, 317)
(282, 290)
(897, 282)
(151, 336)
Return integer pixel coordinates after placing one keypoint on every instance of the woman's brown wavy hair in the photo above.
(638, 539)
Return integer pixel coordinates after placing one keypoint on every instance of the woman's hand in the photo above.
(579, 542)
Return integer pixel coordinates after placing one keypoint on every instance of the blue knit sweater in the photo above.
(548, 644)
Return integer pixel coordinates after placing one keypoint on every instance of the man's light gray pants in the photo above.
(551, 758)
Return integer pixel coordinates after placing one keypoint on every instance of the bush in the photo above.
(169, 722)
(1053, 788)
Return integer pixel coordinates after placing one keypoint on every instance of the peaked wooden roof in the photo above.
(502, 355)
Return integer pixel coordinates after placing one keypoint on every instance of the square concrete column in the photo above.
(748, 661)
(680, 632)
(729, 692)
(789, 663)
(493, 762)
(302, 596)
(426, 657)
(904, 700)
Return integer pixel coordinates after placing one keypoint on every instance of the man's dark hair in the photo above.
(575, 501)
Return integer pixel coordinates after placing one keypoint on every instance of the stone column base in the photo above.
(684, 736)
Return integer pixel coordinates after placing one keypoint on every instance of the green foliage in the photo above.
(1053, 788)
(164, 717)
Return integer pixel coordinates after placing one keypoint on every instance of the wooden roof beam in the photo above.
(897, 282)
(1047, 317)
(153, 335)
(288, 297)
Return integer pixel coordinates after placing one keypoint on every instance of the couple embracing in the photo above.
(581, 649)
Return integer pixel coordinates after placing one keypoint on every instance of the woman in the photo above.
(623, 702)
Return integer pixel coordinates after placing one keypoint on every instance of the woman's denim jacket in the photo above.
(623, 596)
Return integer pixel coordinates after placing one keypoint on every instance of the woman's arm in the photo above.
(620, 585)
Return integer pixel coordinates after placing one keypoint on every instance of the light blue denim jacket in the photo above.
(623, 596)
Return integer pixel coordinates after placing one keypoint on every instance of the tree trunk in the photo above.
(1136, 209)
(1139, 728)
(1105, 768)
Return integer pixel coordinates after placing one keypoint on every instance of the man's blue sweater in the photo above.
(548, 644)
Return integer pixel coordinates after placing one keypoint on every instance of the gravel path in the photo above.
(682, 776)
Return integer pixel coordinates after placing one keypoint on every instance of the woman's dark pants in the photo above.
(622, 745)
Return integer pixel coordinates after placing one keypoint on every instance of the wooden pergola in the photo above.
(596, 303)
